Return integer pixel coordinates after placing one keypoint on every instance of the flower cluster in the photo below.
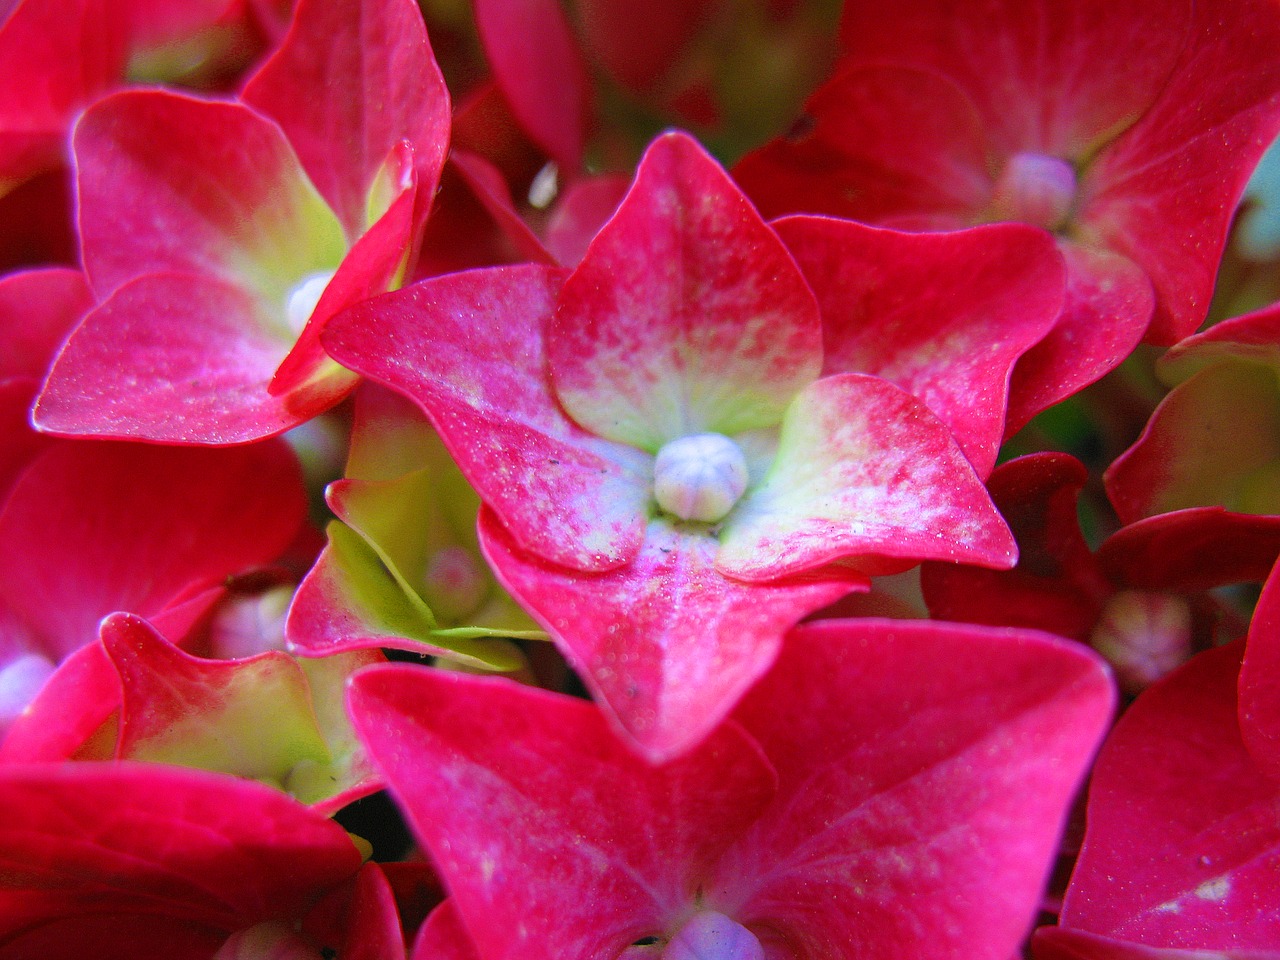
(528, 479)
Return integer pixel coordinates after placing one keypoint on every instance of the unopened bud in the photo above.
(1036, 189)
(700, 477)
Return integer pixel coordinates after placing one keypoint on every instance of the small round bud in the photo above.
(20, 681)
(304, 296)
(699, 477)
(272, 940)
(713, 936)
(1144, 636)
(1037, 189)
(454, 583)
(245, 626)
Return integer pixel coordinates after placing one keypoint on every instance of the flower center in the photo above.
(713, 936)
(245, 626)
(1144, 636)
(1035, 189)
(272, 940)
(20, 680)
(304, 296)
(699, 477)
(454, 583)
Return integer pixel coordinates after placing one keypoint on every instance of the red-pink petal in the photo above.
(211, 714)
(178, 358)
(919, 806)
(1182, 840)
(537, 64)
(1056, 943)
(1260, 682)
(686, 315)
(1050, 77)
(94, 528)
(553, 838)
(349, 81)
(1057, 585)
(77, 700)
(374, 930)
(1213, 441)
(639, 51)
(666, 643)
(863, 472)
(1107, 306)
(144, 843)
(19, 443)
(169, 182)
(443, 937)
(468, 348)
(375, 264)
(55, 56)
(1192, 550)
(38, 308)
(487, 183)
(943, 316)
(584, 207)
(1164, 193)
(886, 144)
(1254, 336)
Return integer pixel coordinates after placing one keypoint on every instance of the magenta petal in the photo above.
(18, 442)
(888, 144)
(490, 188)
(1056, 78)
(374, 265)
(468, 348)
(540, 70)
(919, 806)
(178, 358)
(1107, 307)
(1213, 441)
(55, 56)
(169, 182)
(584, 207)
(686, 315)
(1254, 336)
(74, 702)
(373, 923)
(443, 937)
(1182, 841)
(349, 81)
(1164, 193)
(94, 528)
(87, 839)
(863, 471)
(943, 316)
(1055, 943)
(553, 838)
(210, 714)
(1260, 682)
(1057, 585)
(666, 643)
(1192, 550)
(38, 308)
(110, 937)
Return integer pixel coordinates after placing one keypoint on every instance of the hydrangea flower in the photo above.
(1127, 130)
(668, 483)
(220, 235)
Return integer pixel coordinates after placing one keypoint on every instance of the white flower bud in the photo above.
(1035, 189)
(713, 936)
(700, 477)
(303, 298)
